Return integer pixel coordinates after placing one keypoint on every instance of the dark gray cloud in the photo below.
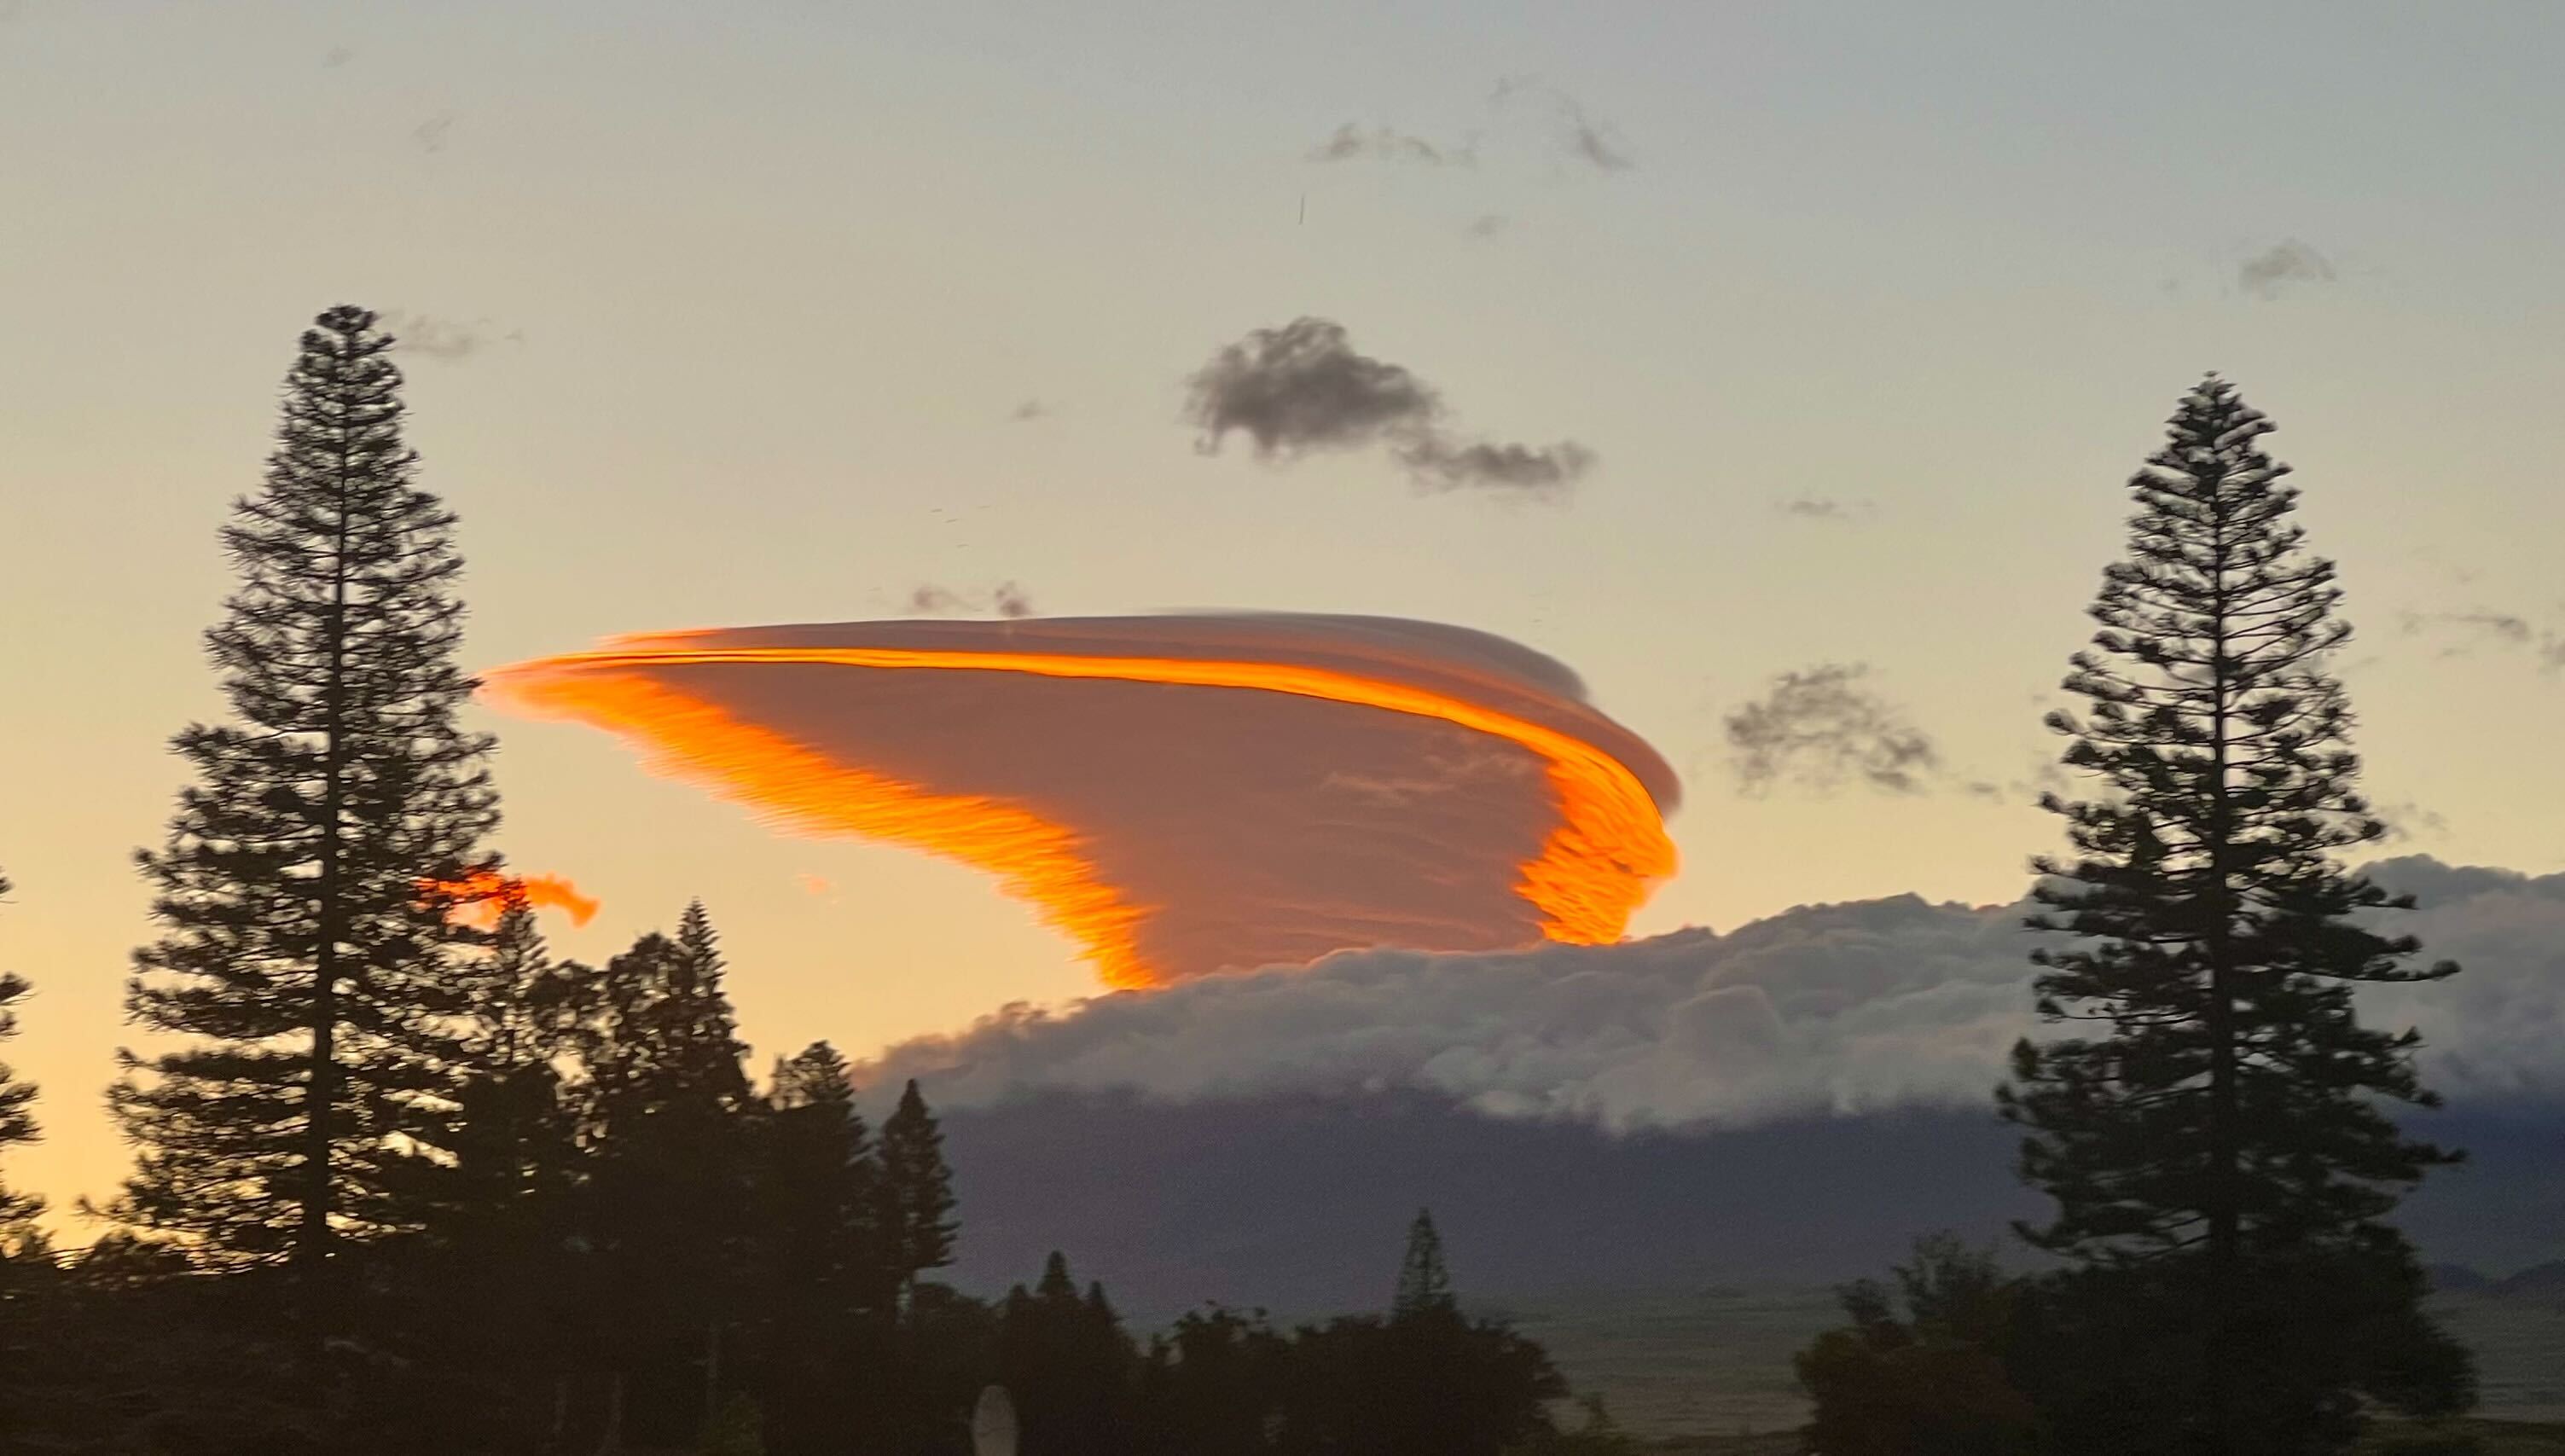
(338, 56)
(1352, 142)
(430, 134)
(1304, 388)
(2508, 630)
(2266, 273)
(449, 339)
(1823, 508)
(1593, 141)
(1824, 728)
(1581, 135)
(1028, 411)
(1004, 599)
(1488, 225)
(1440, 464)
(2406, 819)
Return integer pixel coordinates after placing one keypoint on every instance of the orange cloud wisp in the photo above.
(1591, 873)
(484, 893)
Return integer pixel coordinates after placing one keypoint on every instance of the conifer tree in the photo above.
(1424, 1284)
(668, 1135)
(917, 1220)
(1069, 1365)
(2221, 1137)
(17, 1124)
(513, 1142)
(819, 1181)
(817, 1254)
(307, 955)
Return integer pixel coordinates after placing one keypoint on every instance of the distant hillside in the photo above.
(2456, 1278)
(2539, 1282)
(1297, 1204)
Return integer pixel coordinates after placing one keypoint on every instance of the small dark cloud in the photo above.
(1438, 464)
(338, 56)
(1823, 508)
(2503, 630)
(449, 339)
(2501, 625)
(1006, 599)
(1593, 141)
(2406, 819)
(1304, 388)
(1352, 142)
(2266, 273)
(1582, 136)
(430, 134)
(1825, 728)
(1028, 411)
(1490, 225)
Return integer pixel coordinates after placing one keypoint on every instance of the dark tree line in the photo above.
(17, 1124)
(2219, 1136)
(1422, 1381)
(403, 1183)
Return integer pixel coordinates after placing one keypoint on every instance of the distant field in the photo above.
(2494, 1438)
(1718, 1362)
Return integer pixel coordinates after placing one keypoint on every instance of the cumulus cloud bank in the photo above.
(1824, 1009)
(1179, 793)
(1303, 387)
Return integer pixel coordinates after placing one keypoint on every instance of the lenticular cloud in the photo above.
(1179, 793)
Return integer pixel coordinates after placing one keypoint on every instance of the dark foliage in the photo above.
(916, 1189)
(308, 955)
(1071, 1369)
(17, 1124)
(2220, 1145)
(1424, 1284)
(1923, 1370)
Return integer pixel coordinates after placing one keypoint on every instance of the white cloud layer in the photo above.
(1846, 1008)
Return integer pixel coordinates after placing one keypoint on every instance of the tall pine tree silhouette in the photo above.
(2223, 1129)
(302, 957)
(1424, 1284)
(917, 1222)
(17, 1124)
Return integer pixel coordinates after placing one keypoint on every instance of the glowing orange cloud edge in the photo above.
(1589, 875)
(482, 895)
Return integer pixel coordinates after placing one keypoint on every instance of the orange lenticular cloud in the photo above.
(1148, 787)
(482, 895)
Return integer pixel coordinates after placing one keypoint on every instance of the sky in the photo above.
(764, 313)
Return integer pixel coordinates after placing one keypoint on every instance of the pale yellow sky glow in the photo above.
(726, 316)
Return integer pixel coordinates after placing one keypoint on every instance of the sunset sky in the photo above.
(734, 315)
